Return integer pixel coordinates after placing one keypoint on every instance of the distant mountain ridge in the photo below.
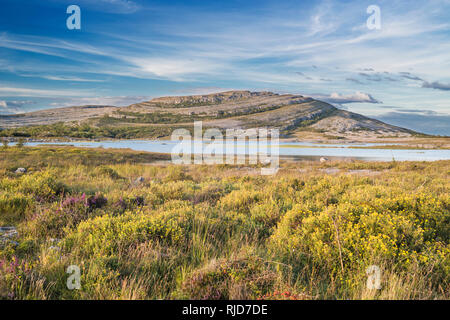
(292, 114)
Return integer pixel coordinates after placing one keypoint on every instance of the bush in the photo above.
(104, 171)
(238, 278)
(106, 234)
(43, 186)
(13, 207)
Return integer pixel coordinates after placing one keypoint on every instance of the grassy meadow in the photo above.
(220, 232)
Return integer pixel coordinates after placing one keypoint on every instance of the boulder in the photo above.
(21, 170)
(6, 233)
(139, 180)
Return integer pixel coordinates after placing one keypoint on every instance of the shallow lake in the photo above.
(286, 149)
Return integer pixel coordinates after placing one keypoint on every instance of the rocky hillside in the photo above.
(215, 98)
(50, 116)
(292, 114)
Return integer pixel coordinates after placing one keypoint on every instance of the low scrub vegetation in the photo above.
(106, 129)
(220, 232)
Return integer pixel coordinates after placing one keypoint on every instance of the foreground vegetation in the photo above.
(220, 232)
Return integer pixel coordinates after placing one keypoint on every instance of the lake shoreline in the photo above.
(286, 150)
(409, 143)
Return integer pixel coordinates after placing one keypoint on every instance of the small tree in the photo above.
(20, 143)
(5, 143)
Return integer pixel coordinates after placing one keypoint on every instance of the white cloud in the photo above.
(75, 79)
(13, 106)
(173, 68)
(357, 97)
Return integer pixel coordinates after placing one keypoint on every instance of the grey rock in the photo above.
(6, 233)
(139, 180)
(21, 170)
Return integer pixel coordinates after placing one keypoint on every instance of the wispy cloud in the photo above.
(29, 92)
(47, 45)
(65, 78)
(377, 76)
(436, 85)
(354, 80)
(408, 75)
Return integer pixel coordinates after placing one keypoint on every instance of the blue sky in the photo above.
(131, 50)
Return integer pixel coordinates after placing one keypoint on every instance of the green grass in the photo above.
(220, 232)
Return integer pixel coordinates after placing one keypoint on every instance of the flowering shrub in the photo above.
(106, 234)
(240, 200)
(96, 202)
(13, 207)
(42, 185)
(53, 221)
(239, 278)
(400, 230)
(105, 171)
